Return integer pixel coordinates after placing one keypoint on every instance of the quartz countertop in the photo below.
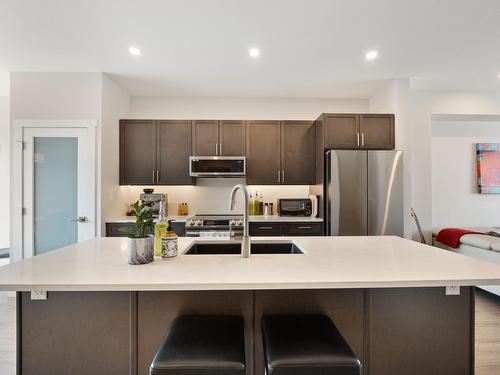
(281, 219)
(131, 219)
(251, 218)
(328, 263)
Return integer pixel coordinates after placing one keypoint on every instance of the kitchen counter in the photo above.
(251, 218)
(367, 285)
(131, 219)
(328, 262)
(282, 219)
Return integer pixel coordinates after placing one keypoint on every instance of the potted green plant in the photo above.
(140, 244)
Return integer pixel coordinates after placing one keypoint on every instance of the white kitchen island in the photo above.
(385, 294)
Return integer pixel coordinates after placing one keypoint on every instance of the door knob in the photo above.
(81, 219)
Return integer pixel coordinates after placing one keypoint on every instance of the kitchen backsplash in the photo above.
(210, 195)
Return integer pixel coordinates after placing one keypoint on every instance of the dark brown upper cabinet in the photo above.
(297, 152)
(213, 138)
(155, 152)
(173, 152)
(341, 130)
(232, 138)
(377, 131)
(137, 152)
(358, 131)
(263, 152)
(280, 152)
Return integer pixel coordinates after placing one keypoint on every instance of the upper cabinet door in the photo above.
(377, 131)
(174, 149)
(232, 138)
(341, 131)
(298, 152)
(263, 152)
(205, 138)
(137, 152)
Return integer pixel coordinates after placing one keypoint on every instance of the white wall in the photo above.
(418, 108)
(55, 95)
(241, 108)
(394, 98)
(4, 169)
(115, 105)
(455, 197)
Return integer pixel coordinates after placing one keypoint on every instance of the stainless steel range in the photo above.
(214, 226)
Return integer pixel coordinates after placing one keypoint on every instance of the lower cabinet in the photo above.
(113, 229)
(286, 229)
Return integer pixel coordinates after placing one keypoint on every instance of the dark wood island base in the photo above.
(392, 331)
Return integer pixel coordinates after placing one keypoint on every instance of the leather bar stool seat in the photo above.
(306, 345)
(202, 345)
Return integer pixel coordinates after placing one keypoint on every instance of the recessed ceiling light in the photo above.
(498, 75)
(134, 51)
(254, 52)
(371, 55)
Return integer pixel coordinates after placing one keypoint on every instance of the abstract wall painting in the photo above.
(488, 167)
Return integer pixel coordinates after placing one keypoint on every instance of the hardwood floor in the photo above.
(487, 334)
(7, 334)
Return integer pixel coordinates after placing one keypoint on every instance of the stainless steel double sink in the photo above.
(233, 247)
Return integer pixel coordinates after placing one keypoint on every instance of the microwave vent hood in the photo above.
(217, 166)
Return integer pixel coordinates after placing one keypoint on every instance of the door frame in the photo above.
(17, 250)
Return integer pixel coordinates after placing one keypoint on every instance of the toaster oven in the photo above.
(295, 207)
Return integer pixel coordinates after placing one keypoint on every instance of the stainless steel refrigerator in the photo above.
(363, 193)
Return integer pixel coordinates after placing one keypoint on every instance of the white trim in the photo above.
(464, 117)
(54, 123)
(18, 126)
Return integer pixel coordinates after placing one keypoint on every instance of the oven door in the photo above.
(217, 166)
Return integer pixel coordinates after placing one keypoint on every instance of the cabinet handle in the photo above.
(216, 149)
(157, 176)
(358, 139)
(220, 148)
(363, 139)
(304, 227)
(265, 228)
(154, 176)
(278, 176)
(283, 175)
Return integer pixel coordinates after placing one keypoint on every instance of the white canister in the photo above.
(169, 246)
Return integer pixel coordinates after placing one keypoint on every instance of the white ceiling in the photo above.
(309, 48)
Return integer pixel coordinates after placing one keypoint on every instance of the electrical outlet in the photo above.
(38, 295)
(453, 290)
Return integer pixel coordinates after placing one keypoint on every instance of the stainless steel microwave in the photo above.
(217, 166)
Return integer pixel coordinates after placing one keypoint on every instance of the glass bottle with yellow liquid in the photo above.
(160, 228)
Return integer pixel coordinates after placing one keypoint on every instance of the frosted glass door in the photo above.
(55, 193)
(58, 186)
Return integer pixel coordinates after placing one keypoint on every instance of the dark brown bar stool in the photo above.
(202, 345)
(306, 345)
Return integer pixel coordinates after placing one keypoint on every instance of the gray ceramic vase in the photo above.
(140, 250)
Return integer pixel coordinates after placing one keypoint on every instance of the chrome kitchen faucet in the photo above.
(245, 243)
